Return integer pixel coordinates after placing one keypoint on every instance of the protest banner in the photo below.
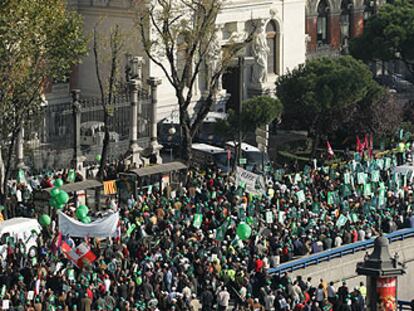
(100, 228)
(252, 182)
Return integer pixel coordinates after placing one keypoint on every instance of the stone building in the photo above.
(331, 23)
(280, 44)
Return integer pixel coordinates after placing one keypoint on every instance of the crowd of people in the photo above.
(170, 262)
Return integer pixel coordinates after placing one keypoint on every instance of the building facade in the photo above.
(330, 24)
(280, 44)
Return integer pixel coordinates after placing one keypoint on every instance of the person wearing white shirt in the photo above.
(338, 241)
(223, 299)
(270, 302)
(331, 292)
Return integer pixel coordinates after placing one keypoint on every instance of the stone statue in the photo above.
(214, 57)
(133, 68)
(260, 51)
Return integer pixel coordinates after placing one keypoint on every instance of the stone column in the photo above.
(76, 114)
(154, 146)
(20, 148)
(134, 148)
(334, 31)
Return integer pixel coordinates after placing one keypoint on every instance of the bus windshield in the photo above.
(221, 158)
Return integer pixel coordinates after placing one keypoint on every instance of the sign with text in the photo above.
(253, 183)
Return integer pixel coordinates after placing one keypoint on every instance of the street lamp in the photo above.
(171, 132)
(345, 33)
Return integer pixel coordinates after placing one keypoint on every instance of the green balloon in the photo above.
(98, 157)
(53, 202)
(44, 220)
(58, 183)
(243, 231)
(82, 212)
(86, 220)
(55, 191)
(84, 207)
(61, 206)
(62, 198)
(138, 280)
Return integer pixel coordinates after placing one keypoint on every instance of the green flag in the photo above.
(221, 231)
(316, 208)
(241, 214)
(367, 190)
(380, 164)
(71, 176)
(347, 178)
(21, 179)
(281, 217)
(387, 163)
(331, 198)
(375, 176)
(301, 196)
(198, 219)
(381, 197)
(310, 225)
(361, 178)
(131, 229)
(297, 178)
(342, 220)
(269, 217)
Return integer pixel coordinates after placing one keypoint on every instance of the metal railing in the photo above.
(404, 305)
(338, 252)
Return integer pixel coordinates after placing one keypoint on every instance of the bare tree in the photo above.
(108, 85)
(40, 41)
(188, 26)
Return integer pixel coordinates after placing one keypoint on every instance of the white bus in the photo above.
(211, 156)
(256, 160)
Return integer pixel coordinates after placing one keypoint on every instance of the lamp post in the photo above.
(344, 24)
(171, 132)
(382, 271)
(76, 115)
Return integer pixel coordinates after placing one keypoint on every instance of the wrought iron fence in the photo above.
(57, 131)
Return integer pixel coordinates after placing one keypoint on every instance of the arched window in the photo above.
(271, 35)
(346, 19)
(369, 7)
(322, 22)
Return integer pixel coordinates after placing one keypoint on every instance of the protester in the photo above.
(175, 259)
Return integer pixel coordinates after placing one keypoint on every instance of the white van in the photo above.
(18, 228)
(256, 159)
(208, 155)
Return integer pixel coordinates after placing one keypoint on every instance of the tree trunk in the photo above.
(8, 166)
(186, 144)
(2, 173)
(315, 144)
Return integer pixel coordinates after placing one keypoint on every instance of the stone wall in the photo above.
(343, 268)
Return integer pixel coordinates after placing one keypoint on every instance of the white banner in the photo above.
(252, 182)
(100, 228)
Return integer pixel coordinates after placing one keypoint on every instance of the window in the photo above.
(271, 35)
(322, 23)
(369, 6)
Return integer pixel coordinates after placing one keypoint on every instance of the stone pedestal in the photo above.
(155, 147)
